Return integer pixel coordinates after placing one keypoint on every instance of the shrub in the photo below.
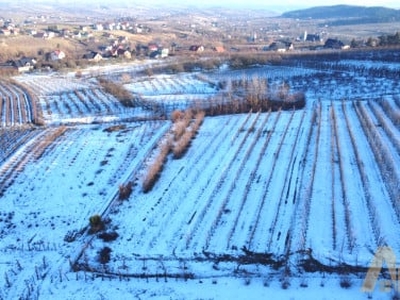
(108, 236)
(105, 255)
(345, 282)
(176, 115)
(70, 63)
(96, 224)
(125, 191)
(285, 284)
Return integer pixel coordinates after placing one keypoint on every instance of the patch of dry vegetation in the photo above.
(185, 126)
(118, 91)
(187, 133)
(154, 170)
(256, 94)
(125, 191)
(48, 141)
(24, 45)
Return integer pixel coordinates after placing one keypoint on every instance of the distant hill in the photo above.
(347, 14)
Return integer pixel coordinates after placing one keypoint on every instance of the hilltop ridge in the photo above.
(347, 14)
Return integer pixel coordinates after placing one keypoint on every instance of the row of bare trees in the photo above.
(229, 196)
(32, 103)
(363, 175)
(185, 126)
(48, 141)
(336, 156)
(118, 91)
(313, 133)
(186, 132)
(219, 206)
(383, 155)
(15, 105)
(255, 94)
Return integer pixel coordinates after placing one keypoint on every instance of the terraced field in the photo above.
(17, 107)
(281, 185)
(280, 194)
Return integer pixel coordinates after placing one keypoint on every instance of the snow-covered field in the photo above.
(284, 204)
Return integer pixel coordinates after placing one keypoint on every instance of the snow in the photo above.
(254, 195)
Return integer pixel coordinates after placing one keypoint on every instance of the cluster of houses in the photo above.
(87, 31)
(116, 49)
(24, 64)
(120, 47)
(152, 50)
(7, 27)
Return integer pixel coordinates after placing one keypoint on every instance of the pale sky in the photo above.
(283, 5)
(266, 3)
(309, 3)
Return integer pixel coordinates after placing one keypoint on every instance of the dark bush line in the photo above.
(389, 54)
(298, 101)
(307, 264)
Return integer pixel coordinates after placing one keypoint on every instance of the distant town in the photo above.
(53, 41)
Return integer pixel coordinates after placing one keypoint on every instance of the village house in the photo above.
(77, 35)
(24, 64)
(219, 49)
(113, 52)
(125, 26)
(197, 48)
(9, 28)
(105, 48)
(307, 37)
(123, 40)
(65, 33)
(124, 53)
(164, 52)
(280, 46)
(152, 47)
(98, 27)
(160, 53)
(44, 35)
(109, 26)
(333, 44)
(15, 31)
(40, 35)
(108, 35)
(138, 30)
(56, 55)
(5, 31)
(93, 56)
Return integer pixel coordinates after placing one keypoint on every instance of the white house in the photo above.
(57, 55)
